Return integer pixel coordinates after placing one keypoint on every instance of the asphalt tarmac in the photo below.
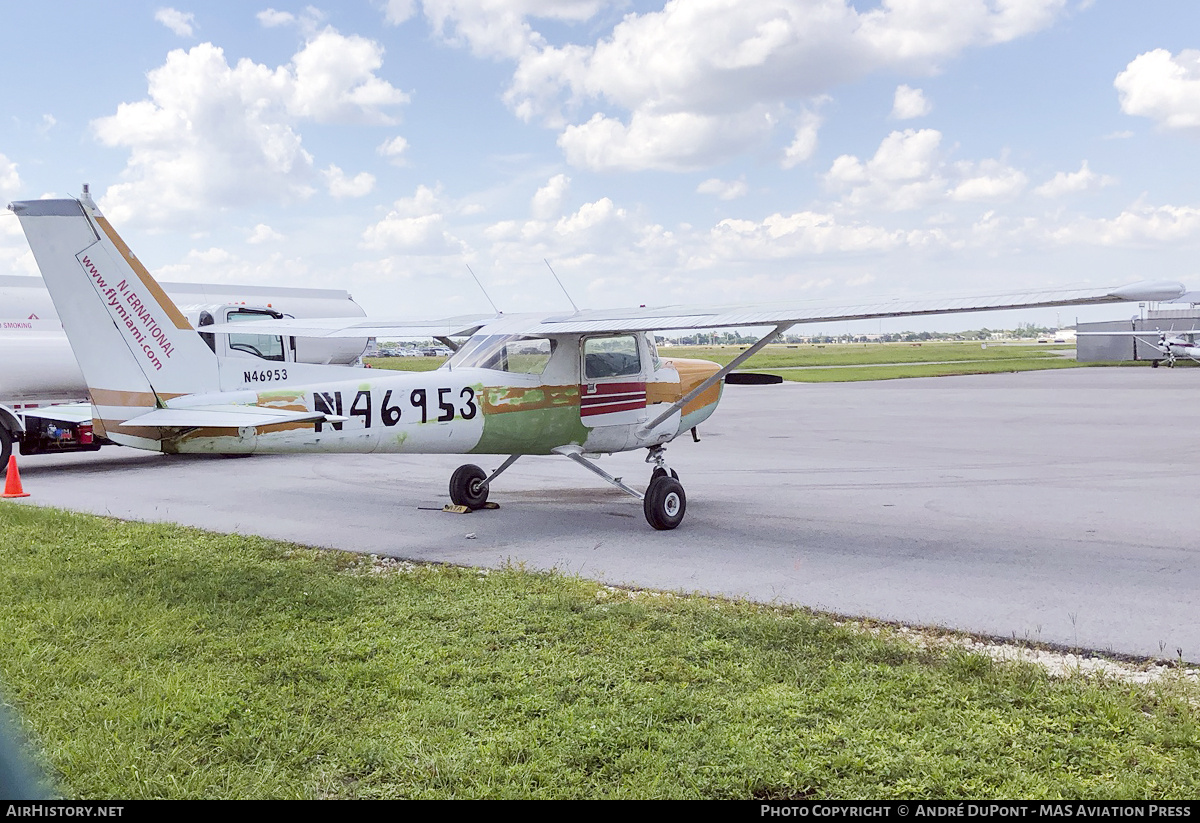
(1054, 506)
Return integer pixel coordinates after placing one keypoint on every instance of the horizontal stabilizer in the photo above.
(221, 417)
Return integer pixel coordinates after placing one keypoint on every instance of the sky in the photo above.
(693, 151)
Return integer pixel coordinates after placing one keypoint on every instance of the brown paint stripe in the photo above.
(137, 399)
(115, 427)
(149, 282)
(499, 400)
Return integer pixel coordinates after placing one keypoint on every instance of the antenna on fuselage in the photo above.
(482, 289)
(560, 285)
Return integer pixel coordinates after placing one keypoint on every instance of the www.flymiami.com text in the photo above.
(150, 328)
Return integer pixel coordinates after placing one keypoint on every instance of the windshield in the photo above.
(266, 346)
(504, 352)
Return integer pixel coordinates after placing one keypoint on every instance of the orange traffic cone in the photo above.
(12, 480)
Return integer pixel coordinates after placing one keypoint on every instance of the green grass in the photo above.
(160, 661)
(850, 374)
(405, 363)
(779, 356)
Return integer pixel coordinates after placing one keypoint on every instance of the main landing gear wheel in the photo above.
(665, 502)
(466, 487)
(6, 443)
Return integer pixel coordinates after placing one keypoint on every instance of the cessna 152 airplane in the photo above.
(577, 385)
(1171, 345)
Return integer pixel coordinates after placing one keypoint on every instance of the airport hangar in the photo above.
(1180, 315)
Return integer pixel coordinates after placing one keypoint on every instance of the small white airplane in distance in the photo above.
(578, 385)
(1172, 345)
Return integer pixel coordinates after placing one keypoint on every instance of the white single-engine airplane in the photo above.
(579, 385)
(1171, 345)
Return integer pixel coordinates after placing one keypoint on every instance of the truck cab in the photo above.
(275, 347)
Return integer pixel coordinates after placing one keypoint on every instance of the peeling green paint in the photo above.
(529, 420)
(266, 398)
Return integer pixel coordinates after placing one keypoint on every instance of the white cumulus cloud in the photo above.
(548, 201)
(987, 181)
(1071, 182)
(1163, 87)
(909, 171)
(724, 189)
(416, 225)
(721, 64)
(396, 12)
(307, 21)
(781, 236)
(177, 21)
(211, 135)
(678, 141)
(1139, 226)
(393, 150)
(910, 103)
(804, 144)
(342, 186)
(10, 180)
(263, 234)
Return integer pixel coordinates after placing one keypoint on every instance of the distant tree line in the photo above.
(1024, 331)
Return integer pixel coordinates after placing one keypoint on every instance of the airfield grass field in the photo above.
(846, 362)
(156, 661)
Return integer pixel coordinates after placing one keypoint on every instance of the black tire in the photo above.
(663, 473)
(465, 489)
(6, 444)
(665, 503)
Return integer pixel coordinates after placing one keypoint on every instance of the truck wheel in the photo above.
(6, 444)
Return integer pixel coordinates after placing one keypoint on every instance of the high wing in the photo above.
(682, 317)
(698, 317)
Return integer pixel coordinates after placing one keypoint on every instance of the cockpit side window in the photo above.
(611, 357)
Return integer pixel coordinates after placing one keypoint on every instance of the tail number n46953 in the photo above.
(395, 405)
(264, 375)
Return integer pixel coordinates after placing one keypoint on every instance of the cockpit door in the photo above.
(612, 389)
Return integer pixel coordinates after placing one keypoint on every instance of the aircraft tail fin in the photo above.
(135, 348)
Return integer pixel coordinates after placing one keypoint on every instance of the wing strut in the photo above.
(646, 428)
